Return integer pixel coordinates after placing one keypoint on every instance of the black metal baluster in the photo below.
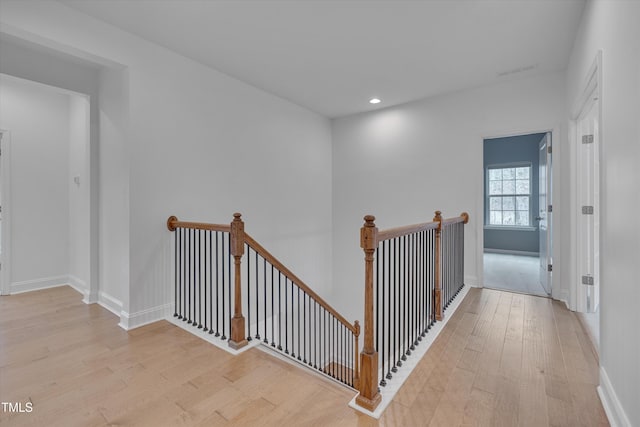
(316, 336)
(312, 335)
(185, 273)
(210, 258)
(286, 318)
(194, 284)
(390, 305)
(418, 285)
(248, 250)
(423, 303)
(199, 235)
(206, 257)
(304, 326)
(230, 279)
(325, 338)
(224, 314)
(293, 323)
(264, 288)
(432, 294)
(403, 299)
(279, 310)
(181, 271)
(273, 297)
(342, 363)
(217, 288)
(378, 320)
(190, 267)
(349, 357)
(257, 294)
(394, 246)
(334, 351)
(378, 301)
(299, 324)
(414, 289)
(409, 294)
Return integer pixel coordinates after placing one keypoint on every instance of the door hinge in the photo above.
(587, 139)
(550, 208)
(549, 149)
(587, 280)
(549, 267)
(587, 210)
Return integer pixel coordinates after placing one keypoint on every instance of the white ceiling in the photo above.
(332, 56)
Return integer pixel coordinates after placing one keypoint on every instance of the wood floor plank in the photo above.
(503, 359)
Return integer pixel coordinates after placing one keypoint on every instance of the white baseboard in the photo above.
(130, 321)
(110, 303)
(471, 281)
(612, 406)
(510, 252)
(562, 296)
(79, 285)
(39, 284)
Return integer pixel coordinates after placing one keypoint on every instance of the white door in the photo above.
(543, 217)
(588, 208)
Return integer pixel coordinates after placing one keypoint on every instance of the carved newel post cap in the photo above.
(438, 216)
(368, 221)
(236, 216)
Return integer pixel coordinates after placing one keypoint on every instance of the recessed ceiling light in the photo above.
(374, 101)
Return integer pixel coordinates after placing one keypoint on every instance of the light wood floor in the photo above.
(503, 359)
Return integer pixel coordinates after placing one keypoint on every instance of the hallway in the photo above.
(503, 359)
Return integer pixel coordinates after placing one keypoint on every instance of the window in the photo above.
(509, 196)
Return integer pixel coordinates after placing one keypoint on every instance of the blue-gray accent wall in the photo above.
(514, 149)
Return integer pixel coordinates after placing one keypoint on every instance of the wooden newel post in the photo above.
(437, 297)
(369, 397)
(237, 339)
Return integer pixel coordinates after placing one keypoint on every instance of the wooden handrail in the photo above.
(464, 217)
(355, 328)
(173, 223)
(393, 233)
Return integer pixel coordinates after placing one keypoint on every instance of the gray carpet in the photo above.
(513, 273)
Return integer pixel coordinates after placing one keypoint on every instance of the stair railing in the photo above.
(412, 274)
(282, 311)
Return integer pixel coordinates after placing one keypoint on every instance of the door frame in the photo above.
(554, 131)
(5, 224)
(592, 86)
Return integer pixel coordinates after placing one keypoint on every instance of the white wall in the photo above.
(38, 119)
(79, 193)
(402, 163)
(200, 145)
(612, 26)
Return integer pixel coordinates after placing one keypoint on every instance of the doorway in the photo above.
(517, 205)
(49, 224)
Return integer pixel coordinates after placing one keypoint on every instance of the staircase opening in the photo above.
(230, 290)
